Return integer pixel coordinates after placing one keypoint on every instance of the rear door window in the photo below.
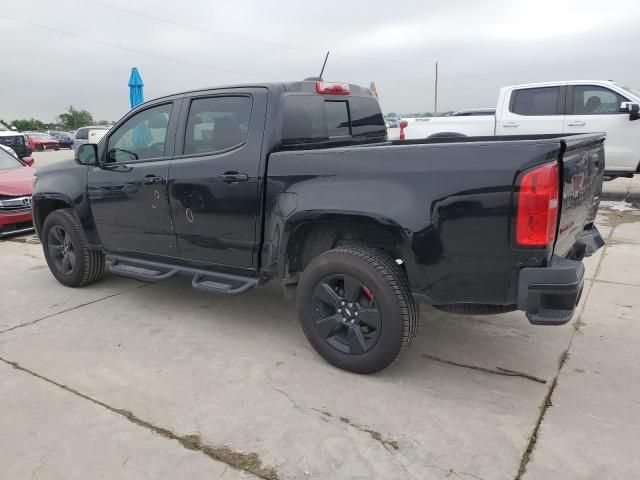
(217, 124)
(536, 101)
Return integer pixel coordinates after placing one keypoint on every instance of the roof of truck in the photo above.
(560, 82)
(292, 86)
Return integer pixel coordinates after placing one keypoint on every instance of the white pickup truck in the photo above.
(578, 106)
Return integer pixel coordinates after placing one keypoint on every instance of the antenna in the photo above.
(324, 65)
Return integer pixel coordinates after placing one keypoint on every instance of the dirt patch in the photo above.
(32, 240)
(249, 462)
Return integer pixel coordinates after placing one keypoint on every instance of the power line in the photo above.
(229, 35)
(122, 47)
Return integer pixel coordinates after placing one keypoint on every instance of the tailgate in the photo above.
(582, 174)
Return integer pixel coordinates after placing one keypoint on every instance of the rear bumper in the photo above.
(549, 295)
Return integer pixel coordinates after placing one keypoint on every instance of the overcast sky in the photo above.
(480, 46)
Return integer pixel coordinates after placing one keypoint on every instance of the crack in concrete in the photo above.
(533, 438)
(33, 322)
(497, 371)
(377, 436)
(245, 462)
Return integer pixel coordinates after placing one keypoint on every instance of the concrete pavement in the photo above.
(129, 380)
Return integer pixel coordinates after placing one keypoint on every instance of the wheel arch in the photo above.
(310, 237)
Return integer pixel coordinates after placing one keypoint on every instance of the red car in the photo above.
(16, 184)
(42, 141)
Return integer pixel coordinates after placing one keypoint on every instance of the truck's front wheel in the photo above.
(356, 309)
(66, 250)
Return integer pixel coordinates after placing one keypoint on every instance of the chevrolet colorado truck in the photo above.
(573, 106)
(297, 182)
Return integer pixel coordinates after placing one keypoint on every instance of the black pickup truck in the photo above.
(297, 182)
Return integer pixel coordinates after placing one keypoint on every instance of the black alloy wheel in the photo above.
(61, 250)
(356, 309)
(346, 315)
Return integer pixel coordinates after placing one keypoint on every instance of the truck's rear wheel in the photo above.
(356, 309)
(66, 250)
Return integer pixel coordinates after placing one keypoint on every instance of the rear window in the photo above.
(313, 119)
(535, 101)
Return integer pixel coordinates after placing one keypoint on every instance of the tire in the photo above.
(40, 147)
(83, 265)
(56, 148)
(475, 308)
(356, 309)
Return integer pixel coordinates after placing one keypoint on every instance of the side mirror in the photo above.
(87, 154)
(28, 160)
(633, 109)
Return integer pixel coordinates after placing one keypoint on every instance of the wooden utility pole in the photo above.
(435, 101)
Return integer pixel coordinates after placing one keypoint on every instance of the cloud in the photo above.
(479, 46)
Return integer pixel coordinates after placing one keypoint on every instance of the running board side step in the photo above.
(148, 271)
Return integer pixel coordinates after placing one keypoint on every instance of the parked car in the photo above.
(64, 139)
(41, 141)
(296, 182)
(91, 134)
(392, 123)
(15, 140)
(576, 106)
(16, 178)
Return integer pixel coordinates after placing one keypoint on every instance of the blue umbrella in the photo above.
(135, 88)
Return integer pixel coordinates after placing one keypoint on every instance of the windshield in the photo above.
(8, 161)
(42, 136)
(634, 91)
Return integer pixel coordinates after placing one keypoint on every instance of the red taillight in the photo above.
(332, 88)
(538, 204)
(403, 125)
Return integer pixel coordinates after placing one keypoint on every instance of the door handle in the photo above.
(152, 179)
(510, 125)
(234, 177)
(576, 124)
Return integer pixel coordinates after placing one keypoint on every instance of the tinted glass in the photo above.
(141, 136)
(536, 101)
(82, 133)
(592, 100)
(366, 117)
(217, 123)
(337, 119)
(303, 119)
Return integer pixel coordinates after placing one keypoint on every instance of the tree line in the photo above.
(70, 120)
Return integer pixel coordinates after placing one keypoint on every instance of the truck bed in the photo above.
(459, 245)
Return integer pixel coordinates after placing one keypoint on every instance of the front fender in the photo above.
(64, 185)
